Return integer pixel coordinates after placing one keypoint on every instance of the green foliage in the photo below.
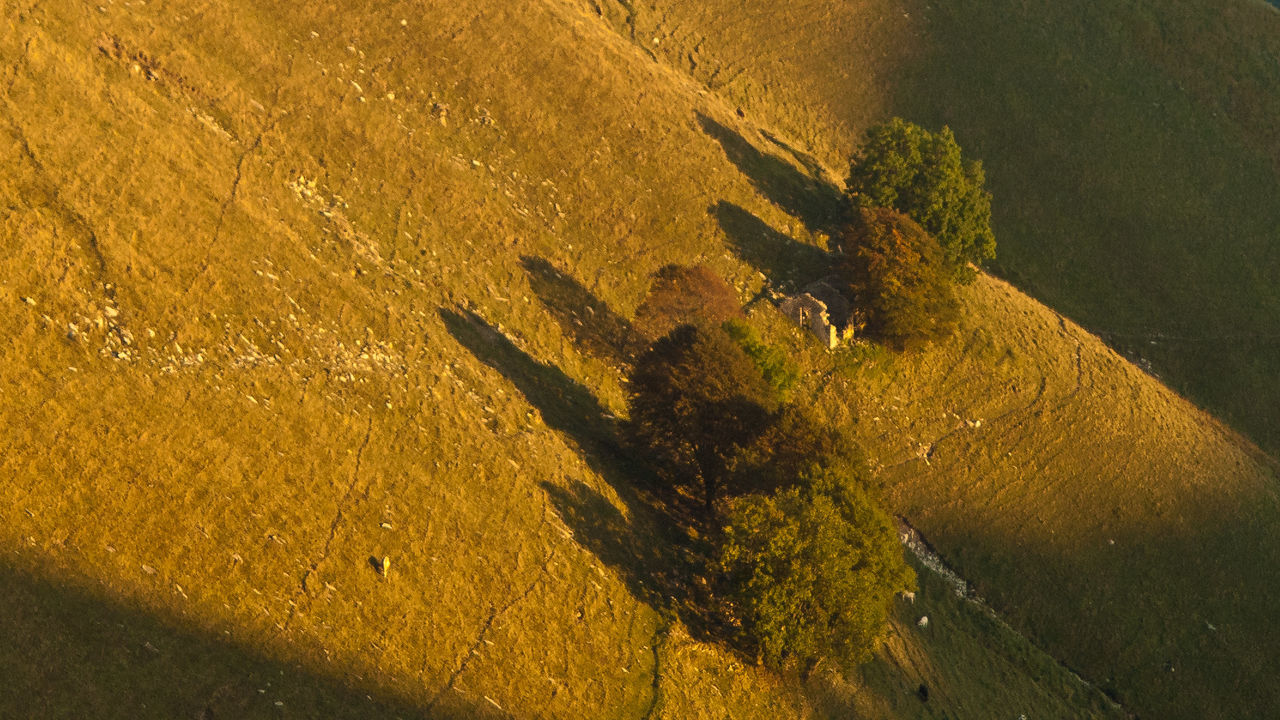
(682, 295)
(777, 368)
(792, 443)
(811, 572)
(896, 274)
(922, 174)
(696, 401)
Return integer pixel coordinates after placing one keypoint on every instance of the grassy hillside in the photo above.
(292, 289)
(1131, 148)
(1132, 156)
(272, 314)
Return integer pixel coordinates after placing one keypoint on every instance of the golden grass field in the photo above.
(276, 306)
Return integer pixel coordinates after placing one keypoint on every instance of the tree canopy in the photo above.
(683, 295)
(897, 275)
(696, 401)
(924, 175)
(811, 572)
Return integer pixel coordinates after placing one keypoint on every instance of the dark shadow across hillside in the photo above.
(649, 540)
(787, 263)
(70, 652)
(566, 405)
(591, 324)
(809, 198)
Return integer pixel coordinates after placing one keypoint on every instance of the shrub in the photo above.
(922, 174)
(811, 572)
(680, 295)
(896, 274)
(777, 368)
(696, 401)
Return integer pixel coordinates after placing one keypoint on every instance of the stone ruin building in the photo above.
(823, 311)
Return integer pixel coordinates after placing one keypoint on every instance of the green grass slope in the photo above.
(291, 289)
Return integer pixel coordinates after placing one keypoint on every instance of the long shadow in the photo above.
(68, 652)
(566, 405)
(648, 541)
(810, 163)
(787, 263)
(583, 317)
(809, 198)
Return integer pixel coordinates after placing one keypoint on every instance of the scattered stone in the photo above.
(148, 569)
(110, 312)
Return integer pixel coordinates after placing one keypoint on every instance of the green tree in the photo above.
(896, 274)
(811, 572)
(922, 174)
(696, 402)
(777, 368)
(792, 443)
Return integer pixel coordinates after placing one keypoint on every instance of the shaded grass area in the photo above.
(963, 664)
(787, 263)
(1131, 148)
(648, 535)
(1134, 178)
(70, 652)
(808, 197)
(591, 324)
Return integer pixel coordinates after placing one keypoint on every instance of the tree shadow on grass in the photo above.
(787, 263)
(590, 322)
(70, 652)
(651, 541)
(809, 198)
(566, 405)
(810, 163)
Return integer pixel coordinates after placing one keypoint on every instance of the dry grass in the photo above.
(1131, 148)
(264, 223)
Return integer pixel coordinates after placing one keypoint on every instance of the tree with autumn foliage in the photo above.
(898, 275)
(697, 401)
(686, 295)
(924, 175)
